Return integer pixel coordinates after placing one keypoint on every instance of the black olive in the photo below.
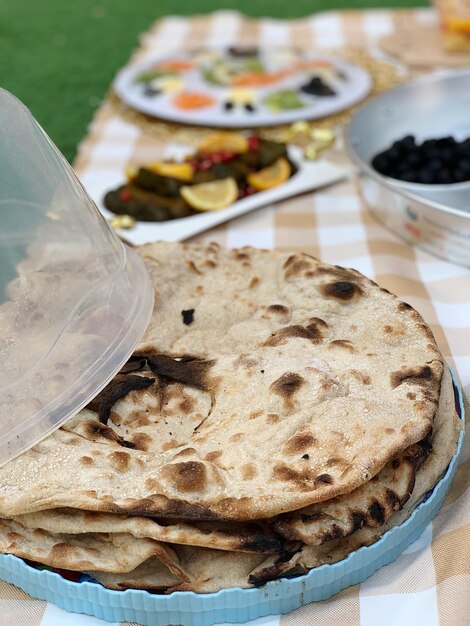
(435, 165)
(414, 158)
(460, 175)
(444, 177)
(431, 153)
(150, 92)
(317, 87)
(464, 147)
(398, 147)
(408, 142)
(464, 165)
(395, 152)
(401, 168)
(447, 154)
(381, 163)
(426, 177)
(429, 143)
(410, 176)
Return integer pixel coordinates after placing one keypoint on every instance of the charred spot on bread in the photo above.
(342, 290)
(119, 387)
(188, 316)
(134, 364)
(313, 332)
(262, 545)
(287, 385)
(299, 442)
(188, 370)
(325, 478)
(416, 374)
(377, 512)
(186, 476)
(94, 430)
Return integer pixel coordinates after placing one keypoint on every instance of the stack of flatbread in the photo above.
(278, 414)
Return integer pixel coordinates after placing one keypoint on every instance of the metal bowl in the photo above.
(433, 217)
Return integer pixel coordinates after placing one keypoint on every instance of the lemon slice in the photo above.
(271, 176)
(224, 142)
(211, 196)
(181, 171)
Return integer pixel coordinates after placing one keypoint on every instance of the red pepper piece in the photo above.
(227, 155)
(205, 165)
(125, 195)
(253, 143)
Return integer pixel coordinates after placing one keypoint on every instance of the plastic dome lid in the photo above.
(74, 301)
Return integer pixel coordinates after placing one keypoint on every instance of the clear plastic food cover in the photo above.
(74, 301)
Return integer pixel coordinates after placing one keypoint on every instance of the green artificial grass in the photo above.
(59, 57)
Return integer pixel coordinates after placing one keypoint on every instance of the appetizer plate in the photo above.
(241, 87)
(232, 605)
(310, 175)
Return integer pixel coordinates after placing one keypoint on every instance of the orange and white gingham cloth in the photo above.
(429, 584)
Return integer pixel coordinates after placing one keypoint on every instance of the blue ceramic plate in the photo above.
(232, 605)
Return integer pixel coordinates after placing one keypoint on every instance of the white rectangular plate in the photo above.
(310, 175)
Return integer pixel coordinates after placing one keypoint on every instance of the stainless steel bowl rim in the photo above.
(462, 186)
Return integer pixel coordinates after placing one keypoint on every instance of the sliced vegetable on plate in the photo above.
(271, 176)
(283, 100)
(227, 142)
(176, 65)
(188, 100)
(211, 196)
(180, 171)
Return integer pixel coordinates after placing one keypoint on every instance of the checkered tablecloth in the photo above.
(428, 585)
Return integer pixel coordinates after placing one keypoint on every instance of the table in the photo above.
(428, 585)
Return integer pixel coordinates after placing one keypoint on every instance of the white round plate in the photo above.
(152, 87)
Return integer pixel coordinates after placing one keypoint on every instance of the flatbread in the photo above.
(254, 537)
(444, 443)
(115, 552)
(446, 431)
(209, 570)
(371, 504)
(212, 570)
(295, 374)
(150, 576)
